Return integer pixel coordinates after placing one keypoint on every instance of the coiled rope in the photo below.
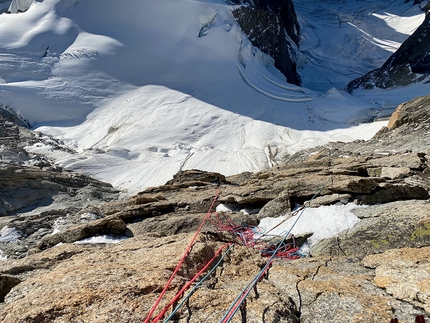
(242, 296)
(246, 234)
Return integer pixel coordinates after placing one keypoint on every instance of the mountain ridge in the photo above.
(160, 220)
(74, 250)
(409, 64)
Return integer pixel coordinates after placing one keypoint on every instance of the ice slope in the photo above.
(141, 89)
(343, 40)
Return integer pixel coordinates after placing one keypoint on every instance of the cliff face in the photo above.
(283, 8)
(272, 26)
(409, 64)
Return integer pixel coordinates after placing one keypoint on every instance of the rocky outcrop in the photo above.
(409, 64)
(29, 180)
(272, 26)
(121, 283)
(179, 205)
(35, 194)
(375, 271)
(404, 274)
(408, 115)
(110, 225)
(196, 177)
(284, 9)
(362, 178)
(24, 188)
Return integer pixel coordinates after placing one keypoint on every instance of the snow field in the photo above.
(143, 94)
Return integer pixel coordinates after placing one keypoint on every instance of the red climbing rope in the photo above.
(187, 285)
(246, 234)
(287, 251)
(186, 253)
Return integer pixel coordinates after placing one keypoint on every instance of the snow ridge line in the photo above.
(256, 88)
(288, 88)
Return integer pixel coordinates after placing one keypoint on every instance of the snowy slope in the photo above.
(343, 40)
(141, 89)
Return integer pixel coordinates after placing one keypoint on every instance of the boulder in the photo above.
(276, 207)
(330, 199)
(404, 274)
(111, 225)
(195, 177)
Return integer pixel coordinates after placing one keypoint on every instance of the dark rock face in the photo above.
(272, 26)
(6, 284)
(283, 8)
(409, 64)
(36, 195)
